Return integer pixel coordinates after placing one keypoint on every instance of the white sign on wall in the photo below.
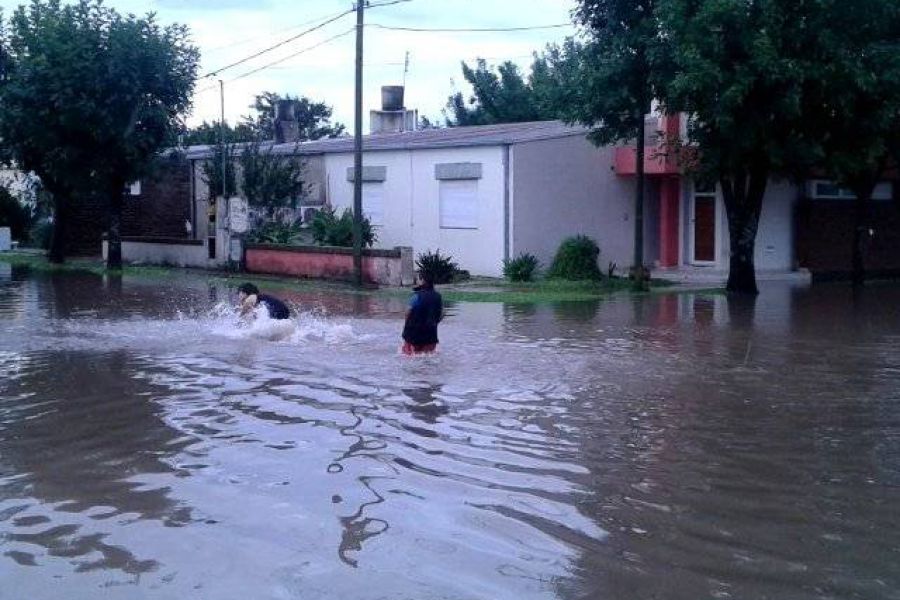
(5, 239)
(240, 215)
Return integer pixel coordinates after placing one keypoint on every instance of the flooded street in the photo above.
(680, 446)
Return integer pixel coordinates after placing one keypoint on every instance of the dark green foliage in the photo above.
(14, 215)
(441, 269)
(212, 171)
(270, 181)
(608, 80)
(313, 119)
(89, 97)
(859, 105)
(40, 235)
(520, 268)
(274, 232)
(328, 229)
(503, 97)
(576, 259)
(210, 134)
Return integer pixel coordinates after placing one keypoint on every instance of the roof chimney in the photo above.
(393, 116)
(287, 129)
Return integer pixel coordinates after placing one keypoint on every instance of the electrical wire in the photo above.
(467, 30)
(269, 35)
(295, 54)
(278, 45)
(327, 21)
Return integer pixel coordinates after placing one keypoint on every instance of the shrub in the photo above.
(576, 259)
(274, 232)
(442, 269)
(520, 268)
(330, 230)
(14, 214)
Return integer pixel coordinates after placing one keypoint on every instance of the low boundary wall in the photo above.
(163, 251)
(382, 267)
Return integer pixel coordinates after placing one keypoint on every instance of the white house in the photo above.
(480, 194)
(484, 194)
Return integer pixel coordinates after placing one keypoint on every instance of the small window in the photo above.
(829, 190)
(459, 204)
(134, 188)
(373, 202)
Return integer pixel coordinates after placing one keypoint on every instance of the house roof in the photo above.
(449, 137)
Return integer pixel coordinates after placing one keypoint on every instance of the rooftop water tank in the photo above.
(392, 97)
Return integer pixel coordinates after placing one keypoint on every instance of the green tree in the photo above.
(89, 97)
(210, 134)
(313, 118)
(859, 102)
(504, 96)
(743, 71)
(608, 84)
(314, 121)
(270, 181)
(219, 182)
(15, 215)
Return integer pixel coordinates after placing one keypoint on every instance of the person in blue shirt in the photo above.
(426, 309)
(250, 298)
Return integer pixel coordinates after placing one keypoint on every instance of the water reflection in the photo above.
(358, 527)
(674, 446)
(86, 441)
(426, 406)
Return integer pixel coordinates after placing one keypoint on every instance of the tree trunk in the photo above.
(114, 233)
(743, 194)
(742, 270)
(861, 236)
(57, 252)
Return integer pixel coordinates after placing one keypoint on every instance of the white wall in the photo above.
(774, 238)
(411, 203)
(567, 186)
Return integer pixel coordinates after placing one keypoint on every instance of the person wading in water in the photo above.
(250, 298)
(426, 309)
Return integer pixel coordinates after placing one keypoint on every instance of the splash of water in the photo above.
(220, 321)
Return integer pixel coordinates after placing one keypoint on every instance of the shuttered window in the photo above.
(459, 204)
(373, 202)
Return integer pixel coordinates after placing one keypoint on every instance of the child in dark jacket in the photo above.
(426, 309)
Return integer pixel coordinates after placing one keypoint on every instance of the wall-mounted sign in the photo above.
(240, 215)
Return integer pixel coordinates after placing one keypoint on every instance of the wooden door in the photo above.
(704, 229)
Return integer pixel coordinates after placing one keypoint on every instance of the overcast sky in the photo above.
(229, 30)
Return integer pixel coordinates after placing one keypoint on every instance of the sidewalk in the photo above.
(710, 276)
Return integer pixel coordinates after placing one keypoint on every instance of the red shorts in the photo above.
(410, 349)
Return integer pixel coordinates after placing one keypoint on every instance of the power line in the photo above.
(269, 35)
(279, 44)
(328, 21)
(467, 29)
(295, 54)
(383, 4)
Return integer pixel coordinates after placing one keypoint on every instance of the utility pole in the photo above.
(222, 134)
(405, 68)
(357, 149)
(638, 272)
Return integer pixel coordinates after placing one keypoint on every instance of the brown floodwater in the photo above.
(679, 446)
